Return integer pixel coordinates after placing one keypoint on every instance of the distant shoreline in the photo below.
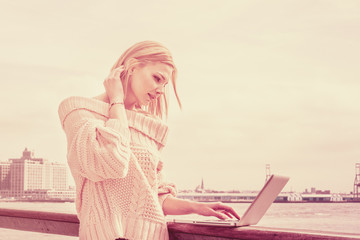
(291, 201)
(245, 201)
(36, 200)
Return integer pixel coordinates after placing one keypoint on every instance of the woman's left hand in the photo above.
(217, 209)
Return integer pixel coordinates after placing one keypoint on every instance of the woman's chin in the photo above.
(145, 103)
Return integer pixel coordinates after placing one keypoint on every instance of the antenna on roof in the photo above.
(267, 170)
(357, 182)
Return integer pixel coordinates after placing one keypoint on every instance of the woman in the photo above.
(114, 142)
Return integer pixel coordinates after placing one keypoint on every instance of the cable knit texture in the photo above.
(114, 162)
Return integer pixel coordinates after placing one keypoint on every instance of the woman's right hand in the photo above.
(217, 209)
(113, 85)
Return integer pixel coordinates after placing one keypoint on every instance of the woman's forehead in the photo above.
(158, 66)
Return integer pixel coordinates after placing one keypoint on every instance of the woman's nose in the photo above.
(160, 90)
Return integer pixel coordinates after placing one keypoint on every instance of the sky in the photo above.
(261, 82)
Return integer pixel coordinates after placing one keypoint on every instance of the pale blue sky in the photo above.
(261, 82)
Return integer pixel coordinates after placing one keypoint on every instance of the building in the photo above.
(5, 179)
(226, 197)
(294, 197)
(59, 176)
(322, 197)
(32, 178)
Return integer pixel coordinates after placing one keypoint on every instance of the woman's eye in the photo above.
(157, 78)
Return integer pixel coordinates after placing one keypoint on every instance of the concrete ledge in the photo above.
(68, 224)
(36, 221)
(181, 231)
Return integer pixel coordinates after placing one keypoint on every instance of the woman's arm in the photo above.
(176, 206)
(98, 150)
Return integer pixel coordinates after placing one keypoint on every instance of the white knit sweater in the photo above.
(114, 162)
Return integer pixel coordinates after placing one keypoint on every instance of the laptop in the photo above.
(255, 211)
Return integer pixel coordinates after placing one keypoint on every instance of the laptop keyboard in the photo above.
(227, 220)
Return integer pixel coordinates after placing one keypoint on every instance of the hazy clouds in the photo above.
(261, 82)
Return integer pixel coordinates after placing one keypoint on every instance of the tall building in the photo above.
(28, 176)
(59, 176)
(4, 175)
(4, 179)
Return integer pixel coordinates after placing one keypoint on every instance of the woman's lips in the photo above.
(151, 97)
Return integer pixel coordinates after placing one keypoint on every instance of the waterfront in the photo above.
(334, 217)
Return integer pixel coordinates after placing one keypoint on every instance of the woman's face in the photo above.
(147, 82)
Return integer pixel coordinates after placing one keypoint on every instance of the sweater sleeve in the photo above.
(98, 150)
(165, 188)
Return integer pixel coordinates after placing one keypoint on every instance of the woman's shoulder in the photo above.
(82, 99)
(73, 103)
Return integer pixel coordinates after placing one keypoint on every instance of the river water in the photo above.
(333, 217)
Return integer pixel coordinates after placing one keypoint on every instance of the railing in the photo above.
(44, 222)
(68, 224)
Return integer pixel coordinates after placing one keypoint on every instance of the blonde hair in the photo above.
(142, 53)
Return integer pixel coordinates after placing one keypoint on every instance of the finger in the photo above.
(232, 211)
(119, 69)
(160, 166)
(219, 215)
(114, 72)
(114, 75)
(229, 209)
(227, 214)
(117, 74)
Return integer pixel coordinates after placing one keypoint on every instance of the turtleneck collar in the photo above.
(147, 124)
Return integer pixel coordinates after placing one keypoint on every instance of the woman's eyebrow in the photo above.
(162, 75)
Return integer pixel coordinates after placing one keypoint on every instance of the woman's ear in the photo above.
(130, 65)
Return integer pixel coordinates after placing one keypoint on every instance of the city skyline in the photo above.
(202, 185)
(260, 83)
(33, 178)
